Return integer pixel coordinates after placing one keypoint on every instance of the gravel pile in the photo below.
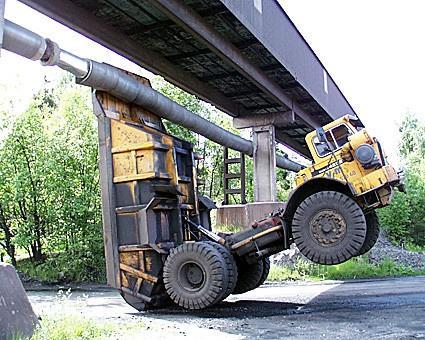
(383, 249)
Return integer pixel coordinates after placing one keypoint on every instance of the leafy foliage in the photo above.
(405, 217)
(49, 192)
(75, 327)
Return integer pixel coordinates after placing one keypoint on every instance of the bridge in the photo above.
(246, 58)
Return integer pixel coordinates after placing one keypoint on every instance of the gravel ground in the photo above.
(383, 249)
(376, 309)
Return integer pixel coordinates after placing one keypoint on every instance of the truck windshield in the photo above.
(341, 134)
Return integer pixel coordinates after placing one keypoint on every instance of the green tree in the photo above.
(412, 133)
(7, 232)
(405, 217)
(23, 157)
(49, 183)
(73, 156)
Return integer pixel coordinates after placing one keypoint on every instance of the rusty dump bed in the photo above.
(245, 57)
(148, 188)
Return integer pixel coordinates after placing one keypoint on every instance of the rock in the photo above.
(17, 318)
(288, 258)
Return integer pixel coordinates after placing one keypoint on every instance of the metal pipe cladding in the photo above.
(114, 81)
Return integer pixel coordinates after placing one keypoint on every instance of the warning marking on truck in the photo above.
(328, 167)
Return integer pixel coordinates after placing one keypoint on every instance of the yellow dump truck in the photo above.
(159, 244)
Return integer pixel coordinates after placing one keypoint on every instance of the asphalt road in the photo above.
(378, 309)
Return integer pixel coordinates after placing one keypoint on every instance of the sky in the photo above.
(373, 50)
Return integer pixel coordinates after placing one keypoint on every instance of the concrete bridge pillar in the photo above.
(264, 155)
(264, 164)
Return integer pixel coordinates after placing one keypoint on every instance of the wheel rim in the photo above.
(191, 276)
(328, 227)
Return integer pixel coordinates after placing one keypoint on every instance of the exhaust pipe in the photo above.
(107, 78)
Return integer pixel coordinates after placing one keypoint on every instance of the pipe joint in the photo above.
(51, 54)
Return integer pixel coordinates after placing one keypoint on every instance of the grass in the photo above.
(414, 247)
(76, 327)
(357, 268)
(38, 271)
(72, 328)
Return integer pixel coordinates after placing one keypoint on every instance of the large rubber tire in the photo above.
(194, 275)
(329, 227)
(266, 270)
(231, 270)
(372, 234)
(249, 276)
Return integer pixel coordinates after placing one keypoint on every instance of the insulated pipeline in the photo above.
(114, 81)
(21, 41)
(110, 79)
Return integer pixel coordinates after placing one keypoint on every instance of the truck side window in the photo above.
(341, 134)
(323, 148)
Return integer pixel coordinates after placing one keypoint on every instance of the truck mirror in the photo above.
(321, 135)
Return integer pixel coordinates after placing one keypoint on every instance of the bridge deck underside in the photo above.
(158, 43)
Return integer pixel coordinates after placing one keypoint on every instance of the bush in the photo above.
(404, 219)
(79, 266)
(395, 218)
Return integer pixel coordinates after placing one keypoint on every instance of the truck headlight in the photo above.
(367, 157)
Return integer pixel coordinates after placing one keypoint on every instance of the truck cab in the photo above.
(344, 152)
